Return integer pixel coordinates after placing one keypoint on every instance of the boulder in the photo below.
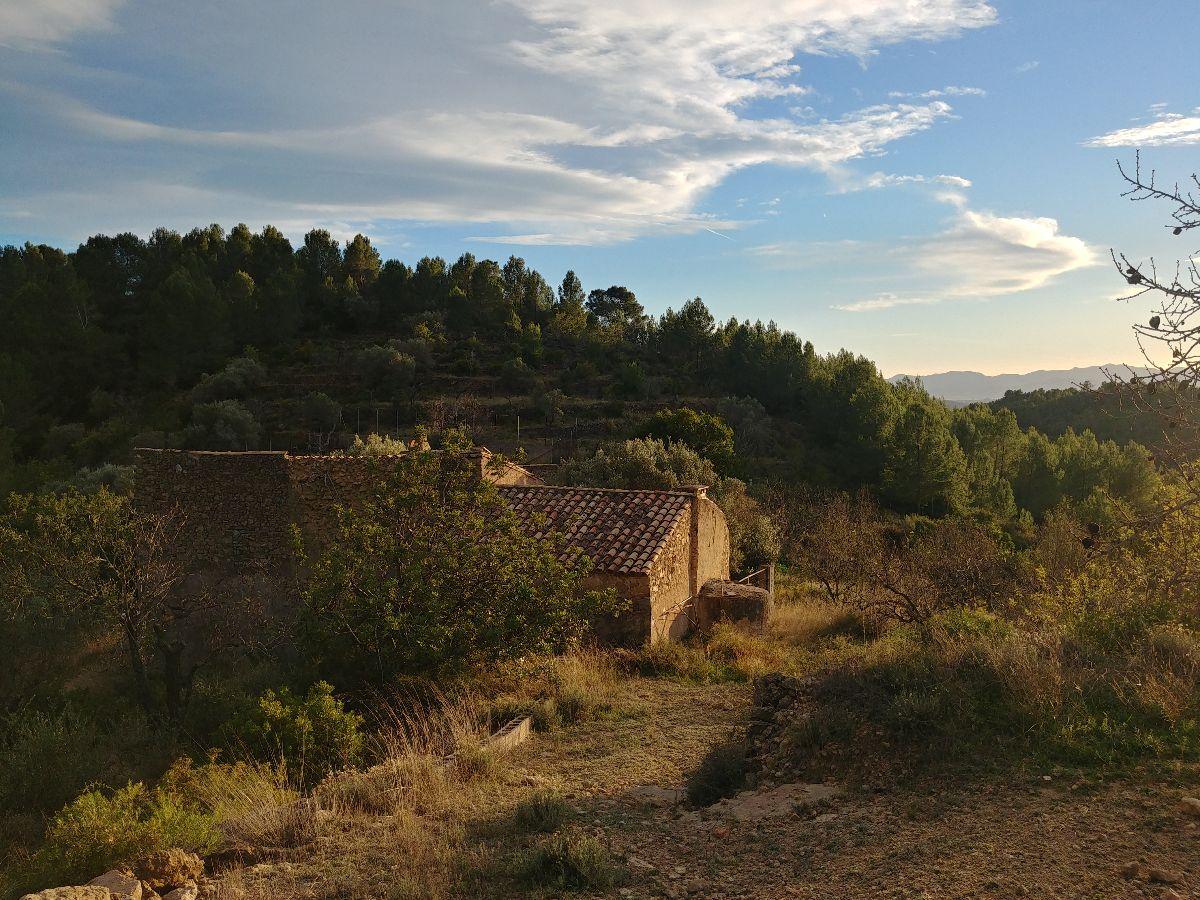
(121, 883)
(727, 601)
(90, 892)
(168, 868)
(189, 890)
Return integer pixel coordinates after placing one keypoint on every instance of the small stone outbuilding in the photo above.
(655, 548)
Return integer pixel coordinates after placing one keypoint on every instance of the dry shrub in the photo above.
(580, 686)
(1176, 648)
(570, 861)
(809, 621)
(688, 660)
(542, 811)
(252, 803)
(748, 653)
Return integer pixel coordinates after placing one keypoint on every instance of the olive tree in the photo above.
(435, 573)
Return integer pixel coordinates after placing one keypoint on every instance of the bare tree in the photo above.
(101, 562)
(1169, 340)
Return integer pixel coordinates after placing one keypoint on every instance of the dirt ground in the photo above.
(1034, 835)
(1027, 835)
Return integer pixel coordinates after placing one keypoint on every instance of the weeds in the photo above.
(544, 811)
(569, 861)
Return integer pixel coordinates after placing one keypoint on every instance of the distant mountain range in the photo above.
(962, 388)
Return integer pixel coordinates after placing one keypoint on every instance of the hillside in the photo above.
(962, 388)
(215, 340)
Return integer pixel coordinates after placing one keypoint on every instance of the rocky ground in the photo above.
(1029, 835)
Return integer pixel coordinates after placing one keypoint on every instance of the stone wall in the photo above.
(631, 627)
(239, 510)
(710, 548)
(671, 587)
(235, 514)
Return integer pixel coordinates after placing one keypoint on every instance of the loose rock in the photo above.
(1164, 876)
(168, 868)
(188, 891)
(121, 884)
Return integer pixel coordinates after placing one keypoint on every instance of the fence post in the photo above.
(770, 578)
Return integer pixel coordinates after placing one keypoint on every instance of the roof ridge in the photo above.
(583, 487)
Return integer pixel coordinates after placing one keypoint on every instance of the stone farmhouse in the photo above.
(658, 549)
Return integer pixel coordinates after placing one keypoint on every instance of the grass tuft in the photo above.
(544, 811)
(569, 861)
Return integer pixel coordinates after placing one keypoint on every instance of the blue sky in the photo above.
(929, 183)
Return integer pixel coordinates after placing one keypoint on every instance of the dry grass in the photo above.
(581, 686)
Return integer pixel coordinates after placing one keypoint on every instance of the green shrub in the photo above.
(721, 773)
(46, 758)
(309, 736)
(570, 862)
(543, 811)
(387, 596)
(97, 830)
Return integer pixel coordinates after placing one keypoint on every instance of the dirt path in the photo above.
(1001, 837)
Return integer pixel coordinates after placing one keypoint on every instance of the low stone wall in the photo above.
(780, 702)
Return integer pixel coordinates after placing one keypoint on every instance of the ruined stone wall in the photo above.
(670, 585)
(240, 509)
(234, 510)
(710, 547)
(317, 485)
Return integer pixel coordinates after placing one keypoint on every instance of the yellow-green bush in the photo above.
(99, 829)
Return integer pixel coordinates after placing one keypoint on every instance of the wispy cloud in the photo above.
(37, 23)
(886, 300)
(1027, 66)
(979, 255)
(566, 121)
(938, 93)
(1167, 130)
(877, 180)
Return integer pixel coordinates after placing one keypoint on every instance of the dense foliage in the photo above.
(434, 574)
(239, 340)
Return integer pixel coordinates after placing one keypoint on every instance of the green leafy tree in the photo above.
(222, 425)
(361, 262)
(434, 574)
(321, 412)
(926, 470)
(707, 434)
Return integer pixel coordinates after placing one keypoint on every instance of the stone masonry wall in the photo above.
(239, 510)
(670, 586)
(234, 509)
(630, 628)
(711, 545)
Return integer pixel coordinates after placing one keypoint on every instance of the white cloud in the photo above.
(980, 255)
(886, 300)
(877, 180)
(937, 93)
(1027, 66)
(567, 121)
(31, 23)
(1168, 129)
(985, 255)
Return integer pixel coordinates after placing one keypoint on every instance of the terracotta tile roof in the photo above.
(621, 531)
